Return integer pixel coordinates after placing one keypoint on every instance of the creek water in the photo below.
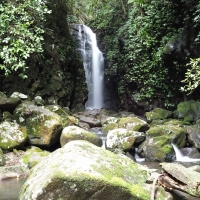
(93, 62)
(9, 189)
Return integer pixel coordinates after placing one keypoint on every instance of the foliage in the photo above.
(192, 76)
(21, 31)
(136, 34)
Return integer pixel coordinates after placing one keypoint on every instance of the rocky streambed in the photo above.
(62, 157)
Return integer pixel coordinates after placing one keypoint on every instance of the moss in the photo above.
(158, 113)
(109, 127)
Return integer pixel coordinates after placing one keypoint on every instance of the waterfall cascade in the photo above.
(93, 62)
(181, 158)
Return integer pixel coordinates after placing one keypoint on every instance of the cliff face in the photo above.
(57, 75)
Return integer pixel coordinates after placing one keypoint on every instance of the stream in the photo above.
(9, 189)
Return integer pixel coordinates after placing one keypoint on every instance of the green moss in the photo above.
(109, 127)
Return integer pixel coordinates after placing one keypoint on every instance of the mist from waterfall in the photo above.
(93, 62)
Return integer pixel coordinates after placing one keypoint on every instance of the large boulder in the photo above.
(12, 135)
(133, 123)
(123, 138)
(43, 126)
(188, 110)
(70, 133)
(80, 171)
(158, 145)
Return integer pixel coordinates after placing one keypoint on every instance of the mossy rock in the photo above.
(158, 113)
(109, 127)
(43, 126)
(12, 135)
(124, 139)
(81, 170)
(175, 133)
(158, 145)
(33, 156)
(175, 122)
(70, 133)
(133, 123)
(189, 111)
(158, 149)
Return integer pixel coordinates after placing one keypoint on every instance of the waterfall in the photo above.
(93, 62)
(180, 157)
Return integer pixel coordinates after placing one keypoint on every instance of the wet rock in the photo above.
(76, 133)
(81, 170)
(123, 138)
(43, 126)
(8, 104)
(194, 136)
(190, 152)
(158, 147)
(133, 123)
(8, 172)
(12, 135)
(158, 113)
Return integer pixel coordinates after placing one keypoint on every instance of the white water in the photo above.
(137, 157)
(180, 157)
(93, 62)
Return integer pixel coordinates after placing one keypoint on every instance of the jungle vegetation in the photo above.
(152, 47)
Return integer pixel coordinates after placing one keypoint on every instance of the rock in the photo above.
(123, 138)
(39, 101)
(8, 104)
(194, 136)
(7, 116)
(92, 121)
(8, 172)
(188, 110)
(2, 159)
(185, 179)
(33, 156)
(67, 120)
(108, 120)
(19, 95)
(12, 135)
(109, 127)
(81, 170)
(158, 113)
(76, 133)
(158, 147)
(133, 124)
(43, 126)
(190, 152)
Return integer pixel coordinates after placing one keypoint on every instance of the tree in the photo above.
(21, 33)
